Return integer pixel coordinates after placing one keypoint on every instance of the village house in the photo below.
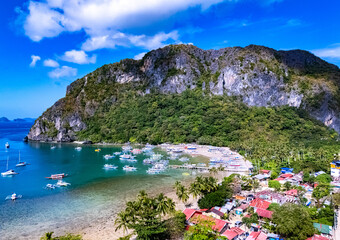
(325, 230)
(259, 203)
(234, 233)
(257, 236)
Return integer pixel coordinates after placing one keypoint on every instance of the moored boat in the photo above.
(129, 168)
(108, 156)
(7, 145)
(61, 183)
(13, 197)
(78, 148)
(57, 176)
(110, 166)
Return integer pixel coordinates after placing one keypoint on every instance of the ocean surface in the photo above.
(94, 193)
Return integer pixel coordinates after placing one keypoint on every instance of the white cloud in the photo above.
(63, 71)
(139, 56)
(79, 57)
(127, 40)
(333, 52)
(35, 59)
(51, 63)
(49, 18)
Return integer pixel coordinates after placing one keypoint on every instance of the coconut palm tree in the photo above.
(122, 220)
(213, 171)
(195, 189)
(182, 194)
(48, 236)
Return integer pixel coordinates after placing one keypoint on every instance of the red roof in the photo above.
(292, 192)
(317, 237)
(265, 171)
(264, 213)
(259, 203)
(257, 236)
(219, 224)
(230, 234)
(286, 175)
(233, 232)
(279, 179)
(190, 212)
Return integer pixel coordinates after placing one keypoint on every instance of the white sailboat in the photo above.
(8, 172)
(21, 164)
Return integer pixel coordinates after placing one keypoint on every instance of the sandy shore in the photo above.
(104, 229)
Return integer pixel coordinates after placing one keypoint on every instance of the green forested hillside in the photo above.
(278, 136)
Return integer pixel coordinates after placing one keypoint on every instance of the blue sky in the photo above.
(45, 45)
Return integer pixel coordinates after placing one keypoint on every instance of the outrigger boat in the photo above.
(78, 148)
(61, 183)
(57, 176)
(13, 197)
(53, 147)
(108, 156)
(110, 166)
(7, 145)
(129, 168)
(50, 186)
(97, 150)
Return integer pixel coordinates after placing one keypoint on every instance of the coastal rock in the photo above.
(258, 75)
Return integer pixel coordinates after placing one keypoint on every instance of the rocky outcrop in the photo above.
(260, 76)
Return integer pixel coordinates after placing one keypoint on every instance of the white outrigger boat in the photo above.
(13, 197)
(53, 147)
(61, 183)
(78, 149)
(50, 186)
(117, 153)
(108, 156)
(129, 168)
(110, 166)
(9, 172)
(126, 157)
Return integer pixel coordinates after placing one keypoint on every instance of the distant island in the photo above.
(6, 120)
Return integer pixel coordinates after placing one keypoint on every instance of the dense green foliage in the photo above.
(323, 215)
(293, 222)
(278, 136)
(202, 230)
(48, 236)
(216, 198)
(144, 216)
(274, 184)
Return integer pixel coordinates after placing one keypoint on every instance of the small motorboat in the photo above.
(13, 197)
(7, 145)
(117, 153)
(129, 168)
(97, 150)
(61, 183)
(78, 149)
(50, 186)
(110, 166)
(57, 176)
(53, 147)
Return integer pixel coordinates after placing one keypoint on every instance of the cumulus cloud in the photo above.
(139, 56)
(63, 71)
(79, 57)
(120, 39)
(51, 63)
(49, 18)
(332, 52)
(34, 61)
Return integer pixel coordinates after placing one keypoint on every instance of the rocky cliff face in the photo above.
(260, 76)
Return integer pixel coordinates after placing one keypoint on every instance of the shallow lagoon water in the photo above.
(94, 193)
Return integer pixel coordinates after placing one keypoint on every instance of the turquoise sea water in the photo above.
(94, 193)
